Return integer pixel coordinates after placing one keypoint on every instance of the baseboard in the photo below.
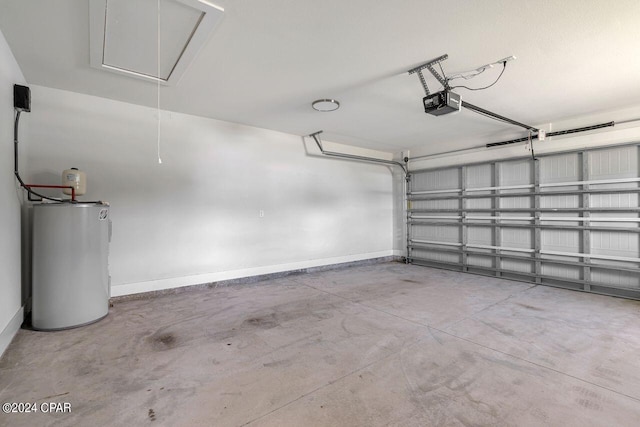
(10, 331)
(247, 274)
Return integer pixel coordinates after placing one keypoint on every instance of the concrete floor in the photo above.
(380, 345)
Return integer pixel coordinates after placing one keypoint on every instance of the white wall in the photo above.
(10, 248)
(195, 217)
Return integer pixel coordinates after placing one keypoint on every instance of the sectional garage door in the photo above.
(568, 220)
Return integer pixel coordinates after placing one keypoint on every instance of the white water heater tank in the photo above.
(74, 178)
(70, 264)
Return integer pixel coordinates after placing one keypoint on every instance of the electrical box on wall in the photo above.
(21, 98)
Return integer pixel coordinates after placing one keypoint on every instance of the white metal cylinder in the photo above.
(74, 178)
(70, 272)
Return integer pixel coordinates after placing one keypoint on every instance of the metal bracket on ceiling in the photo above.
(429, 66)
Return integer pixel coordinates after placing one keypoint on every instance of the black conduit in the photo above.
(15, 165)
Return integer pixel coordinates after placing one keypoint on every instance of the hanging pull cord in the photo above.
(158, 86)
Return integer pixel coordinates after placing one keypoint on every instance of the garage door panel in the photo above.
(479, 176)
(517, 238)
(443, 179)
(616, 279)
(480, 235)
(516, 172)
(585, 233)
(436, 204)
(435, 255)
(561, 201)
(615, 200)
(561, 168)
(480, 203)
(518, 266)
(561, 219)
(562, 271)
(437, 233)
(562, 240)
(480, 260)
(615, 243)
(516, 202)
(617, 219)
(613, 163)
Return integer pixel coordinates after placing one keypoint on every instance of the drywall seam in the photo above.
(179, 282)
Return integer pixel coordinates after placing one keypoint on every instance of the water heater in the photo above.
(70, 272)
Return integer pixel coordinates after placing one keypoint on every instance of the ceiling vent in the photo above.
(154, 40)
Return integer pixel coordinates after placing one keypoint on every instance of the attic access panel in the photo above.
(132, 38)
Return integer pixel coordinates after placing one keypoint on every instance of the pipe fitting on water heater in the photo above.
(74, 178)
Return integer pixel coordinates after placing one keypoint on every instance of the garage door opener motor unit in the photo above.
(440, 103)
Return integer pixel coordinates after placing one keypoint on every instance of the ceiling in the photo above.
(268, 60)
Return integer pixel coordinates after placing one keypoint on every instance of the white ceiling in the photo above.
(268, 60)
